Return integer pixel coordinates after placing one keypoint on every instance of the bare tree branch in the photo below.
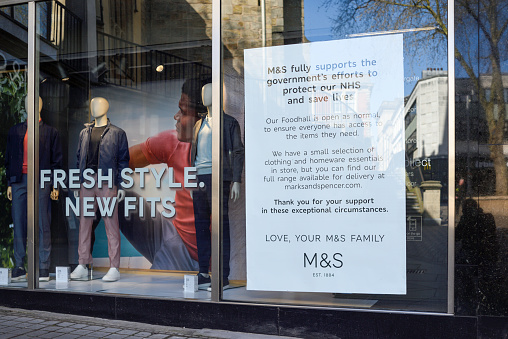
(491, 18)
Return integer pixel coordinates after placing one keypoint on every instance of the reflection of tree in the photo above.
(483, 21)
(12, 111)
(355, 16)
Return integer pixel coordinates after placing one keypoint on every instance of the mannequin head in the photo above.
(206, 96)
(99, 107)
(190, 105)
(40, 105)
(224, 96)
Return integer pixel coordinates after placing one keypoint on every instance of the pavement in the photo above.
(20, 323)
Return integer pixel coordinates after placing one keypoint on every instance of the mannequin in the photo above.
(207, 102)
(50, 157)
(102, 146)
(201, 158)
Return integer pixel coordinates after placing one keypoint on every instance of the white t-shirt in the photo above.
(203, 161)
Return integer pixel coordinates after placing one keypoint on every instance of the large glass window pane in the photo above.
(481, 157)
(122, 85)
(13, 181)
(343, 107)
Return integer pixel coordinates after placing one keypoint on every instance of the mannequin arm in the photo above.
(238, 152)
(9, 193)
(54, 194)
(120, 195)
(235, 191)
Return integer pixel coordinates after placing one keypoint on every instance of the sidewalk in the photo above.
(19, 323)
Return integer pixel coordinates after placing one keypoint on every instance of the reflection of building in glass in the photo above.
(389, 116)
(473, 159)
(425, 120)
(425, 117)
(426, 129)
(135, 42)
(410, 120)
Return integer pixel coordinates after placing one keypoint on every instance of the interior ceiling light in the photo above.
(159, 68)
(63, 74)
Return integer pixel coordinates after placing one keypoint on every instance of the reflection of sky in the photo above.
(383, 49)
(318, 24)
(318, 27)
(346, 55)
(475, 48)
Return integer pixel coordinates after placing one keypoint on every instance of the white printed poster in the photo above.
(325, 178)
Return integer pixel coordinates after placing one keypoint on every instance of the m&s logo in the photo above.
(324, 260)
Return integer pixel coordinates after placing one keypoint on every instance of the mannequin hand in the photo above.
(76, 194)
(235, 191)
(9, 193)
(54, 194)
(121, 195)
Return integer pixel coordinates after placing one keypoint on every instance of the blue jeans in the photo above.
(202, 199)
(19, 216)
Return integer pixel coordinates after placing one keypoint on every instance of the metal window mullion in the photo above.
(216, 150)
(33, 151)
(263, 23)
(451, 156)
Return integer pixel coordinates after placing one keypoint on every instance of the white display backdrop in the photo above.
(325, 179)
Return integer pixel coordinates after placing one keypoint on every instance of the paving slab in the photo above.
(20, 323)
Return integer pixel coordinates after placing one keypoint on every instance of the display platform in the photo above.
(169, 285)
(164, 284)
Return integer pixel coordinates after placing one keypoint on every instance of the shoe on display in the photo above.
(112, 275)
(203, 281)
(225, 285)
(43, 275)
(80, 273)
(18, 274)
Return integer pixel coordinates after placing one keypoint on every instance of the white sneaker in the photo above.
(112, 275)
(225, 285)
(80, 273)
(43, 274)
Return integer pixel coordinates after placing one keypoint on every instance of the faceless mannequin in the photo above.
(206, 96)
(102, 147)
(201, 158)
(40, 105)
(17, 164)
(99, 110)
(54, 192)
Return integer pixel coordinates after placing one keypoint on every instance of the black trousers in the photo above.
(202, 198)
